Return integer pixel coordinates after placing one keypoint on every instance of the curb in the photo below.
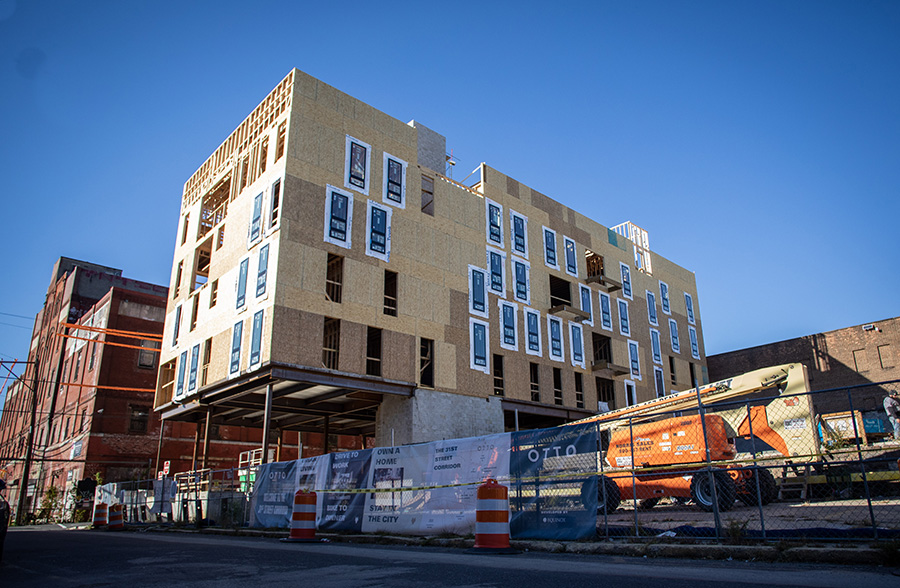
(774, 553)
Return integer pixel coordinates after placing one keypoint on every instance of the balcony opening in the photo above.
(202, 261)
(214, 206)
(560, 292)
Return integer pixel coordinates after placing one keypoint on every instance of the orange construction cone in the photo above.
(99, 519)
(492, 519)
(116, 522)
(303, 518)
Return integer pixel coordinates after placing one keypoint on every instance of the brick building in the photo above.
(855, 357)
(93, 363)
(329, 278)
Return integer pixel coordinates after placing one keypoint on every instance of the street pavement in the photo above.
(50, 556)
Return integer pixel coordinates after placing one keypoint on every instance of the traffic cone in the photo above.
(492, 520)
(116, 522)
(100, 511)
(303, 518)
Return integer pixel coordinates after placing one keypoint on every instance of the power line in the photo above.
(29, 318)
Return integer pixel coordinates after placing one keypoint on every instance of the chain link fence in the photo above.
(772, 467)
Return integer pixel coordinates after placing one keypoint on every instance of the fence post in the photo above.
(701, 410)
(600, 482)
(862, 464)
(759, 496)
(633, 477)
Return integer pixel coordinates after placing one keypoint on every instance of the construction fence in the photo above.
(768, 468)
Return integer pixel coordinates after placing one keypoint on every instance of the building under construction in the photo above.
(329, 277)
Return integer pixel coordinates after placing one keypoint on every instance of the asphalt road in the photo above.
(52, 557)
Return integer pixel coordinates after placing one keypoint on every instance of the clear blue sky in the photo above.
(757, 142)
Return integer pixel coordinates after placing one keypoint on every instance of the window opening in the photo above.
(138, 418)
(673, 333)
(634, 357)
(624, 326)
(571, 260)
(276, 203)
(478, 344)
(256, 219)
(256, 338)
(550, 248)
(339, 218)
(195, 305)
(519, 225)
(184, 229)
(242, 283)
(695, 345)
(579, 390)
(533, 328)
(606, 394)
(496, 264)
(390, 293)
(605, 312)
(279, 145)
(626, 280)
(689, 306)
(577, 344)
(213, 293)
(672, 369)
(655, 346)
(478, 291)
(394, 191)
(178, 271)
(508, 323)
(334, 277)
(263, 155)
(556, 344)
(534, 371)
(498, 375)
(494, 222)
(651, 308)
(204, 365)
(428, 195)
(148, 354)
(373, 351)
(262, 270)
(659, 382)
(557, 386)
(236, 336)
(586, 304)
(177, 326)
(192, 376)
(426, 363)
(521, 271)
(358, 165)
(630, 396)
(331, 342)
(664, 297)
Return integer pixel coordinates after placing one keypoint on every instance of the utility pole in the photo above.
(29, 448)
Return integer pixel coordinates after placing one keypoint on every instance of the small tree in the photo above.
(50, 503)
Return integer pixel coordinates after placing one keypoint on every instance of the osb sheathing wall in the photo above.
(429, 254)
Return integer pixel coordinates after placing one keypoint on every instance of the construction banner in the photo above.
(548, 470)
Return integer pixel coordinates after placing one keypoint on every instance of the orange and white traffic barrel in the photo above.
(303, 518)
(99, 519)
(116, 522)
(492, 519)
